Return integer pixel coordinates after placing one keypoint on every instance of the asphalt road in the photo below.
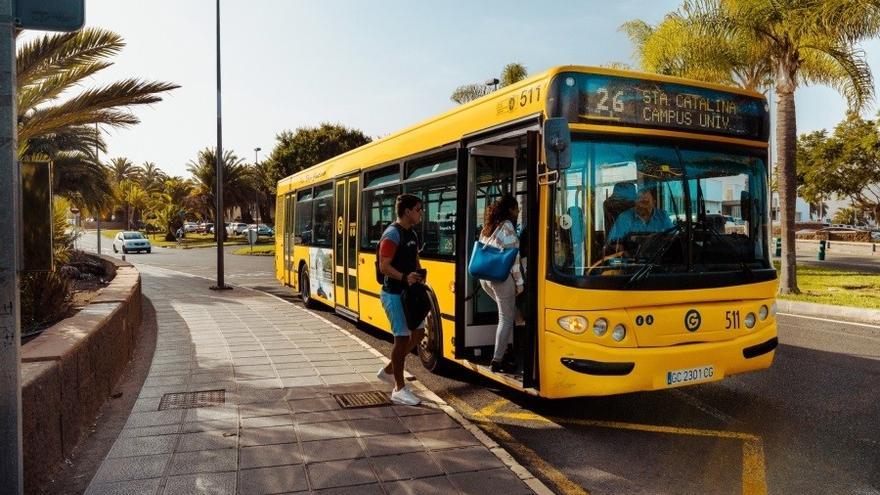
(806, 425)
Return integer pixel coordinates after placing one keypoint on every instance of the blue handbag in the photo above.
(491, 263)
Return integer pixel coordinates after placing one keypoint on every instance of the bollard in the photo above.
(778, 247)
(820, 255)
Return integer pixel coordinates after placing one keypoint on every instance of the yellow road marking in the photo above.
(753, 472)
(491, 408)
(556, 477)
(753, 476)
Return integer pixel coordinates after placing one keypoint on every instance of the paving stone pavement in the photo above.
(279, 430)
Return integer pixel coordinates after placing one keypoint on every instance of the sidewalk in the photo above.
(278, 427)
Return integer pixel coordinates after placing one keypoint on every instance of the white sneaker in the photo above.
(405, 397)
(385, 377)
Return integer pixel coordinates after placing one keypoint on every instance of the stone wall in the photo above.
(71, 368)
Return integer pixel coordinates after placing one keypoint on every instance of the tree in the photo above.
(121, 168)
(264, 183)
(307, 146)
(511, 74)
(54, 126)
(845, 164)
(152, 177)
(795, 42)
(237, 183)
(133, 197)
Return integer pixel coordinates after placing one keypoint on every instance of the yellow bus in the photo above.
(619, 297)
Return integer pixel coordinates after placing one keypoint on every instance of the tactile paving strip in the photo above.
(191, 400)
(362, 399)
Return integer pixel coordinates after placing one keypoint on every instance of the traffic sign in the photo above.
(50, 15)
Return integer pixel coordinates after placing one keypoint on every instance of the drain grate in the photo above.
(191, 400)
(362, 399)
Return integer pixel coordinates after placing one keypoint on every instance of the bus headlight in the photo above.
(600, 327)
(750, 320)
(763, 312)
(619, 332)
(574, 324)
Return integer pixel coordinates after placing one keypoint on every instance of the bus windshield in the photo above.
(627, 213)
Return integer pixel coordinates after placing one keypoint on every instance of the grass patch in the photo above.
(259, 250)
(838, 287)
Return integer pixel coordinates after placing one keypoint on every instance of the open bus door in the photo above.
(489, 168)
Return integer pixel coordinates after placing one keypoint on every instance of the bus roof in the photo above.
(448, 127)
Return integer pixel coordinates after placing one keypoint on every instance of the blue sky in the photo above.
(378, 66)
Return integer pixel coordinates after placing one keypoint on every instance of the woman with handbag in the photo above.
(499, 231)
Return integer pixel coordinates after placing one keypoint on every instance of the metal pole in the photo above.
(257, 192)
(98, 215)
(218, 192)
(11, 473)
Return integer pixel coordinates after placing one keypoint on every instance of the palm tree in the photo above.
(132, 196)
(54, 126)
(152, 177)
(238, 187)
(512, 73)
(794, 42)
(121, 169)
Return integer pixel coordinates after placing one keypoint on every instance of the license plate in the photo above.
(690, 375)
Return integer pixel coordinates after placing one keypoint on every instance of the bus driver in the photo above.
(644, 216)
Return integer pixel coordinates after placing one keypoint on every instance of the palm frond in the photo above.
(43, 56)
(95, 106)
(843, 68)
(51, 87)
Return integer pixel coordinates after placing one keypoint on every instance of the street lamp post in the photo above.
(257, 191)
(219, 229)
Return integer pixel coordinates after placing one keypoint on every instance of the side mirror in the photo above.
(557, 143)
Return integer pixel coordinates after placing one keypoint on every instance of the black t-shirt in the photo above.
(406, 256)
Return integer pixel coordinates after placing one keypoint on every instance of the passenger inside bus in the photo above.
(643, 217)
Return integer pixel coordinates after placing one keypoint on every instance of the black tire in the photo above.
(430, 349)
(305, 290)
(149, 250)
(124, 251)
(114, 249)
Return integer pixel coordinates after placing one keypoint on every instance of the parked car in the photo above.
(131, 241)
(262, 229)
(236, 228)
(190, 227)
(205, 227)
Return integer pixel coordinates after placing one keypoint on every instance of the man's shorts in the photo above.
(394, 310)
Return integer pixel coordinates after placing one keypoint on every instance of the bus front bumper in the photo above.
(576, 369)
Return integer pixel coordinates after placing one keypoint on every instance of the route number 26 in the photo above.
(604, 96)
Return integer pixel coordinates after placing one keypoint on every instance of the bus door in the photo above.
(345, 246)
(488, 170)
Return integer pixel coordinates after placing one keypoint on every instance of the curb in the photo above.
(530, 480)
(846, 313)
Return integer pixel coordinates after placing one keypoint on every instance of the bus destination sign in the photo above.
(643, 103)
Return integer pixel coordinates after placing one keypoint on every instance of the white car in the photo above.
(236, 228)
(131, 241)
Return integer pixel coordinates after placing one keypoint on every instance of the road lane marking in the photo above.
(866, 325)
(555, 476)
(754, 481)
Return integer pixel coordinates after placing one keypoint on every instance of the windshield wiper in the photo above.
(643, 272)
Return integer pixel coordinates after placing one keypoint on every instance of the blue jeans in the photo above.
(394, 310)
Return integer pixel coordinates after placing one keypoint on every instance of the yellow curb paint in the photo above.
(556, 477)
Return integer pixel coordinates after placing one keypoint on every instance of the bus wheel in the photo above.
(431, 347)
(305, 289)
